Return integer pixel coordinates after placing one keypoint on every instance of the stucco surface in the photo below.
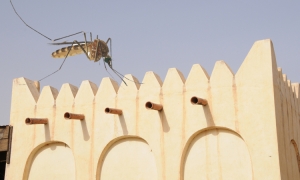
(129, 158)
(244, 132)
(218, 154)
(52, 161)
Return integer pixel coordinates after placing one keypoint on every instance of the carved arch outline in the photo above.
(109, 145)
(193, 136)
(32, 154)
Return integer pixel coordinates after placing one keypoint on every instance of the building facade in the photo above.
(248, 130)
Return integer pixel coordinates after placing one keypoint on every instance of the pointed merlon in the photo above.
(174, 81)
(152, 78)
(151, 85)
(259, 66)
(131, 82)
(222, 75)
(108, 84)
(197, 78)
(86, 92)
(25, 88)
(66, 95)
(48, 96)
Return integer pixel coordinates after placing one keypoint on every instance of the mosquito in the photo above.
(93, 50)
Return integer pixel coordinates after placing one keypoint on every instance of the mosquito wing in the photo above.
(74, 50)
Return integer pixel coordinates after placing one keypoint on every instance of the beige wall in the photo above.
(51, 161)
(244, 132)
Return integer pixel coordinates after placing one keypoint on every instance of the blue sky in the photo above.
(146, 36)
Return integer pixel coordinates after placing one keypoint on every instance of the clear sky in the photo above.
(147, 36)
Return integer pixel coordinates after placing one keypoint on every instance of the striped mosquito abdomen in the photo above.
(61, 53)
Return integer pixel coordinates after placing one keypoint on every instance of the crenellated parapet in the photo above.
(248, 124)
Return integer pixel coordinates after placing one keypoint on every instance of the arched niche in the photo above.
(127, 158)
(51, 160)
(216, 153)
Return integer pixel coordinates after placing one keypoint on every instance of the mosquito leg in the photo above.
(109, 39)
(96, 55)
(26, 23)
(87, 50)
(76, 42)
(69, 49)
(60, 65)
(38, 31)
(69, 35)
(110, 48)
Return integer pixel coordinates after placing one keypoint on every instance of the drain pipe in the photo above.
(198, 101)
(68, 115)
(113, 111)
(30, 121)
(153, 106)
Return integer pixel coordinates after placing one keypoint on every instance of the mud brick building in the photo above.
(249, 128)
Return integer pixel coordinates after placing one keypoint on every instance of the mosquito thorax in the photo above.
(97, 50)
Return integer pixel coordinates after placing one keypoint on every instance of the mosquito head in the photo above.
(107, 60)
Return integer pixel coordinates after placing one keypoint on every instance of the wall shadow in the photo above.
(47, 132)
(85, 132)
(164, 121)
(208, 116)
(123, 125)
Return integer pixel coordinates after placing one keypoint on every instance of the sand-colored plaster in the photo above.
(129, 158)
(281, 126)
(244, 132)
(202, 163)
(55, 160)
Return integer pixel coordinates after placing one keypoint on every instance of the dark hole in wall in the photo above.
(2, 164)
(2, 170)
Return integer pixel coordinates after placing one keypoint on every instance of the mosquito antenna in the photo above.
(26, 23)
